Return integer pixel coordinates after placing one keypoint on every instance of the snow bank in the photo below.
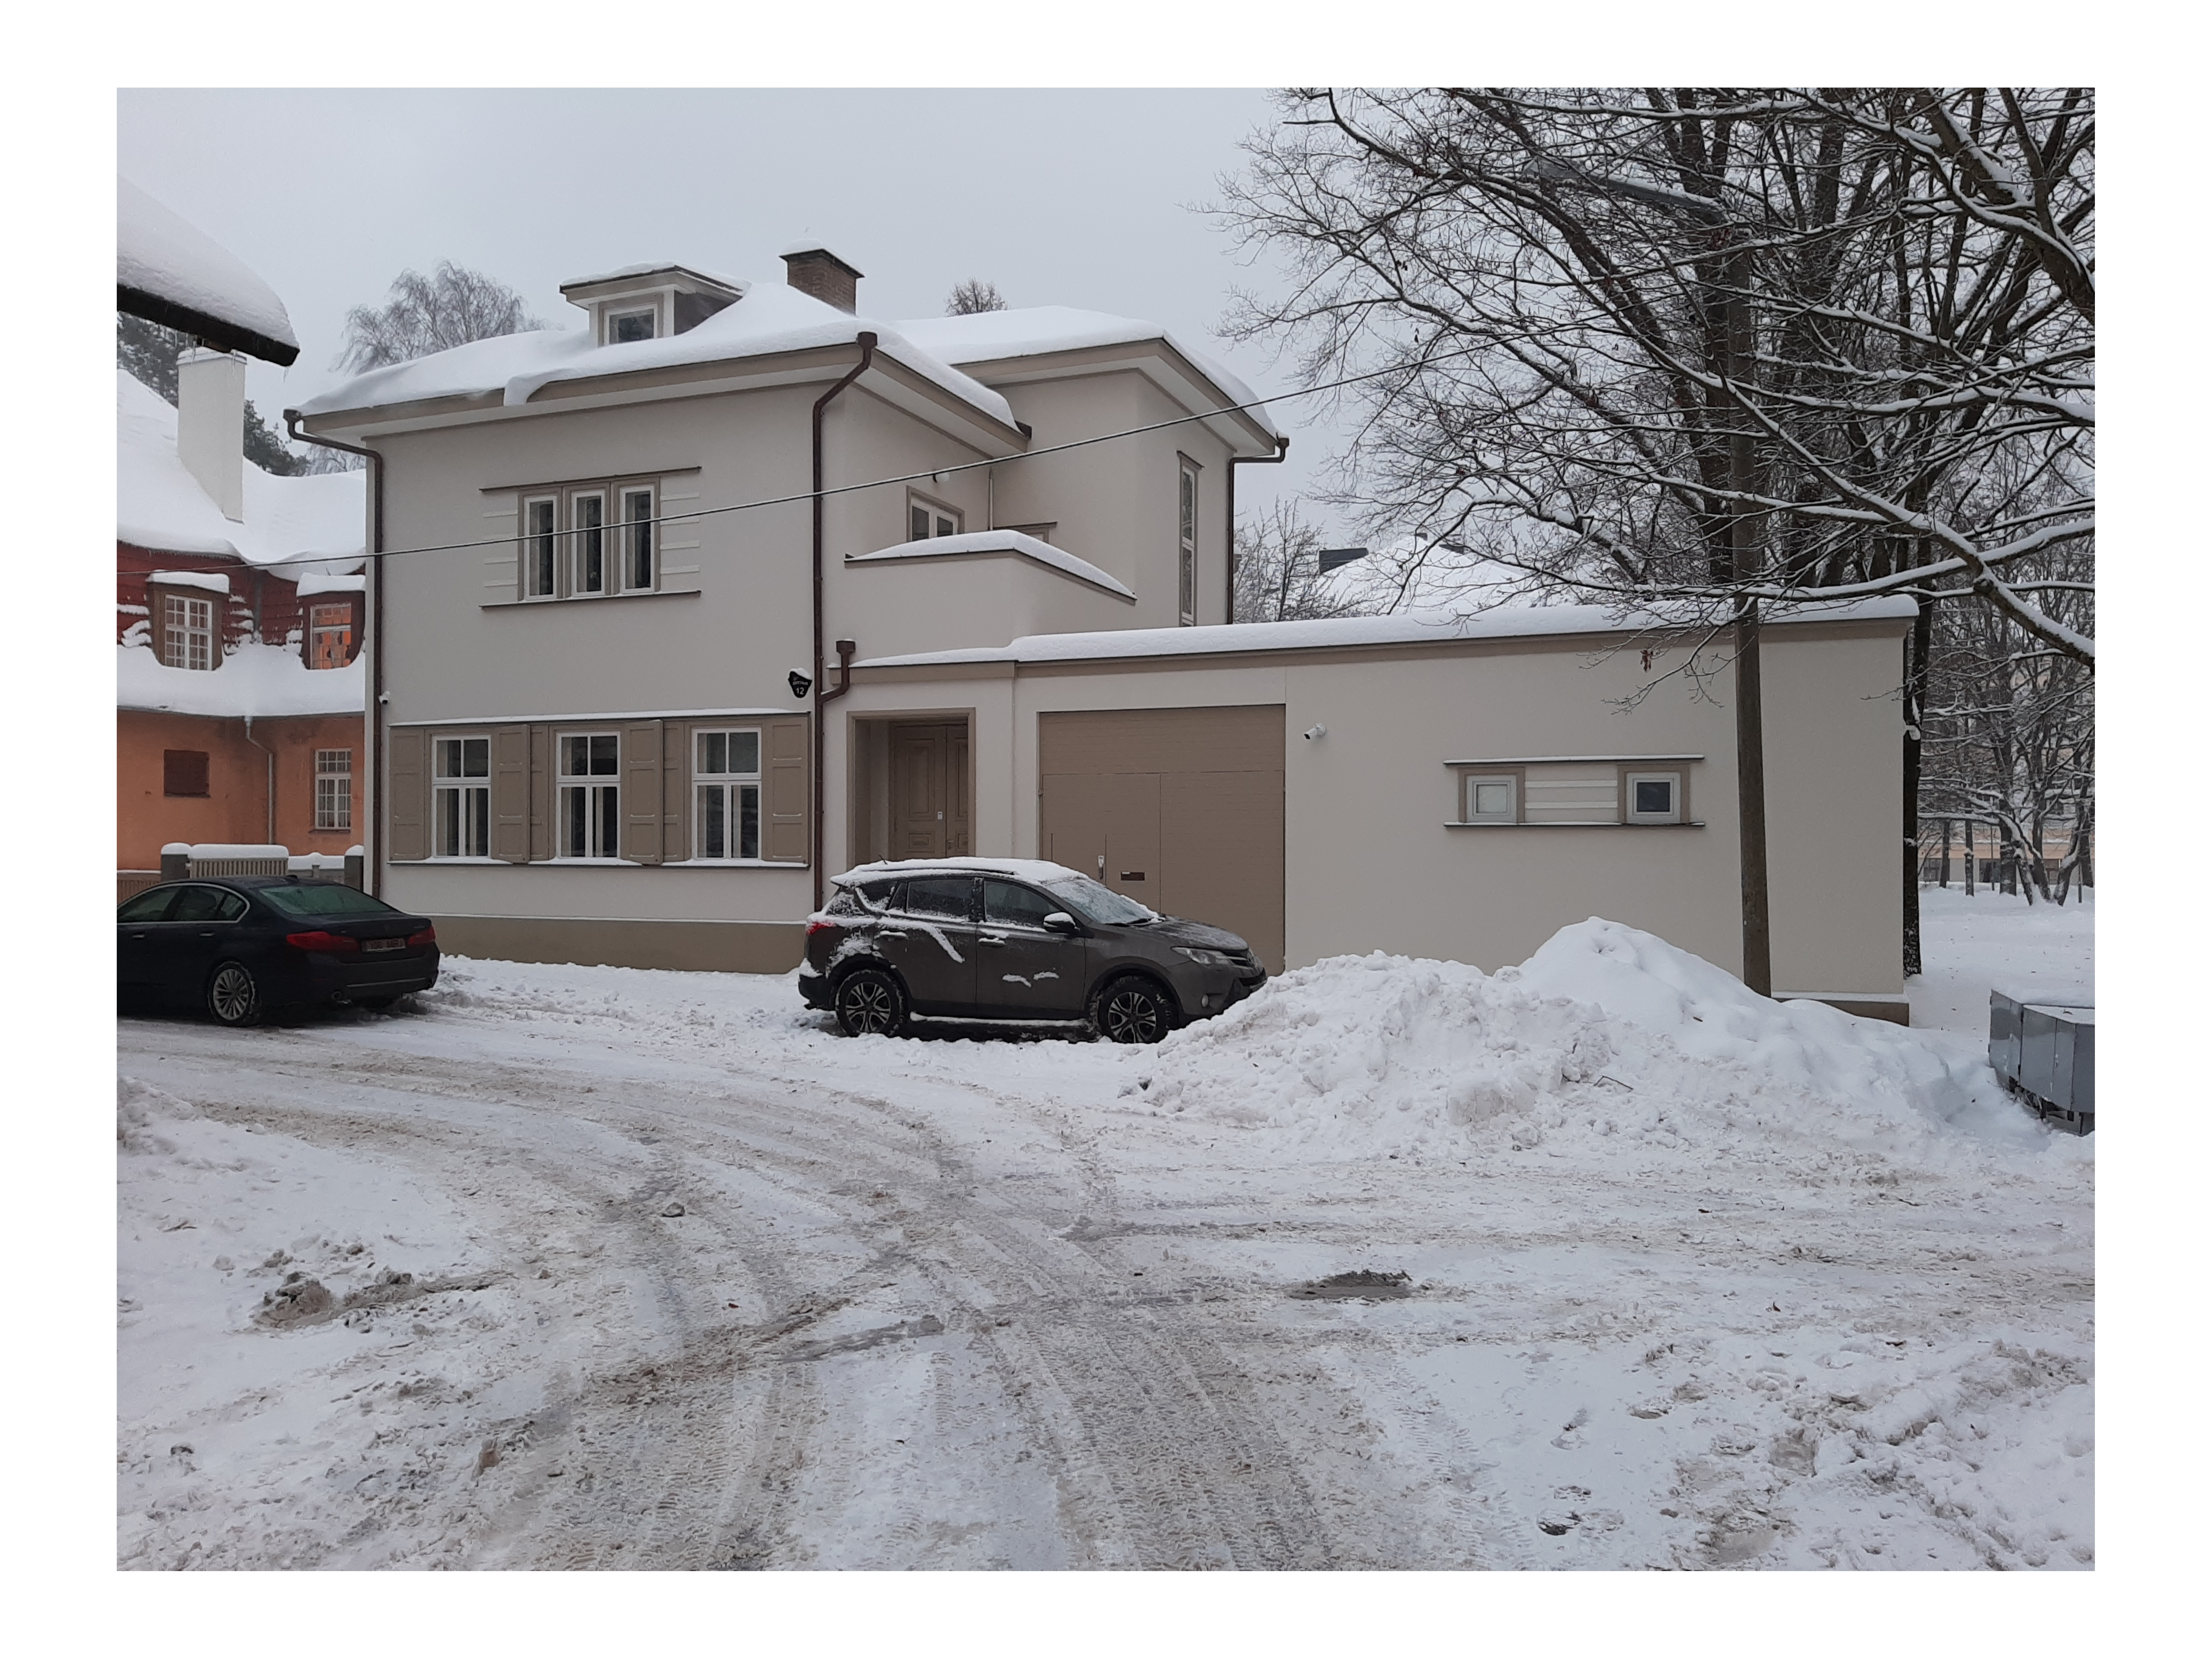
(1607, 1041)
(252, 679)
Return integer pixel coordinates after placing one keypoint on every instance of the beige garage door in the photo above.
(1181, 808)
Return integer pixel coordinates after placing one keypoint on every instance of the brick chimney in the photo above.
(211, 425)
(817, 272)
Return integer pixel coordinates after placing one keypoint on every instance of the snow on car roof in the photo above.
(1035, 870)
(160, 256)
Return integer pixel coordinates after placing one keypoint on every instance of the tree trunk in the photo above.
(1915, 701)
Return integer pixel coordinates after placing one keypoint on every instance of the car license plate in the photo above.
(384, 944)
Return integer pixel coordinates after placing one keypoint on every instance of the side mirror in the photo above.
(1060, 922)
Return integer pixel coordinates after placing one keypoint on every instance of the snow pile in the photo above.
(252, 678)
(1606, 1039)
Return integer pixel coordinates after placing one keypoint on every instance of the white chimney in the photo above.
(211, 425)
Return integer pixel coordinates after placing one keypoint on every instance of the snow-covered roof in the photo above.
(1011, 542)
(1405, 628)
(316, 583)
(1035, 330)
(654, 268)
(175, 274)
(214, 580)
(772, 318)
(262, 680)
(160, 505)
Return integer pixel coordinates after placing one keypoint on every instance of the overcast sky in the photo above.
(1063, 197)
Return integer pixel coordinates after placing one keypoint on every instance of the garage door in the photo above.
(1181, 808)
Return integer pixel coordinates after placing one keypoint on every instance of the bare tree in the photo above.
(972, 297)
(451, 307)
(1703, 344)
(1279, 574)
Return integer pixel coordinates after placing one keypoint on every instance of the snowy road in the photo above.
(695, 1282)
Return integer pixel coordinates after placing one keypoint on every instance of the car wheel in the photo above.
(1133, 1010)
(232, 998)
(869, 1004)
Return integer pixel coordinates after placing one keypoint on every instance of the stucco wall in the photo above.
(235, 807)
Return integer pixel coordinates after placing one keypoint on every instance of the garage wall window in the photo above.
(184, 772)
(334, 789)
(1490, 797)
(461, 798)
(1653, 797)
(1187, 541)
(726, 788)
(591, 795)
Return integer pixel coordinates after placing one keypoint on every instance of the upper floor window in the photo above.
(1187, 541)
(538, 546)
(462, 802)
(926, 519)
(590, 540)
(591, 795)
(187, 631)
(727, 781)
(623, 326)
(330, 635)
(637, 538)
(587, 515)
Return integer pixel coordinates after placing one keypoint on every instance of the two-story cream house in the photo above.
(732, 587)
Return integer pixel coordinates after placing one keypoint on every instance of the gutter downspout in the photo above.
(269, 787)
(1282, 450)
(821, 696)
(372, 713)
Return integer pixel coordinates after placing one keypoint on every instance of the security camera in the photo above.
(1313, 731)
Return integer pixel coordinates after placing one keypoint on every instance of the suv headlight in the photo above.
(1203, 959)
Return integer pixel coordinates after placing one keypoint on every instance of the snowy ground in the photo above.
(1691, 1280)
(1969, 945)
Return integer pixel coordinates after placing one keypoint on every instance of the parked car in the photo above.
(1013, 942)
(239, 946)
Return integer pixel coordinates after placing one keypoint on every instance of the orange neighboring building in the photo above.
(238, 691)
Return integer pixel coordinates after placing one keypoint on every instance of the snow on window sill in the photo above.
(1571, 823)
(442, 858)
(605, 864)
(730, 864)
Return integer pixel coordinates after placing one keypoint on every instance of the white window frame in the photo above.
(725, 792)
(634, 535)
(616, 318)
(587, 543)
(1470, 781)
(334, 789)
(460, 800)
(541, 548)
(600, 804)
(187, 632)
(1186, 541)
(1628, 783)
(936, 516)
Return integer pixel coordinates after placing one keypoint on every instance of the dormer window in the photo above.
(623, 326)
(649, 302)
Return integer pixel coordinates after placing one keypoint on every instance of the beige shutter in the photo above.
(675, 792)
(542, 842)
(640, 787)
(510, 793)
(408, 749)
(785, 783)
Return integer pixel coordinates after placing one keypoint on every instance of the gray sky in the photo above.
(1068, 197)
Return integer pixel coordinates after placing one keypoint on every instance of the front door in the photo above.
(929, 791)
(929, 937)
(1021, 967)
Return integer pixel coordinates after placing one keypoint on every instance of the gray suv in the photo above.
(1010, 941)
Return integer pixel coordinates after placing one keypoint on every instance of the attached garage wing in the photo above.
(1182, 809)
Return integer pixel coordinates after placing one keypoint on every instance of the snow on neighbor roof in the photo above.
(772, 318)
(998, 541)
(214, 582)
(262, 680)
(173, 274)
(1405, 628)
(160, 505)
(316, 583)
(1033, 330)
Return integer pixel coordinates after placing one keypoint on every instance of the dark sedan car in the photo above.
(240, 945)
(1016, 942)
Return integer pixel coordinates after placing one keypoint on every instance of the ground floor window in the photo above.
(726, 779)
(184, 772)
(590, 796)
(463, 791)
(334, 789)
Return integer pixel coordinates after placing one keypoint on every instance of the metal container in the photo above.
(2044, 1049)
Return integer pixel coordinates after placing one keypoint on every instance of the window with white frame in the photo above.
(1187, 545)
(925, 519)
(1653, 797)
(334, 789)
(187, 631)
(539, 541)
(637, 538)
(623, 326)
(330, 635)
(587, 516)
(461, 797)
(590, 796)
(1490, 798)
(727, 782)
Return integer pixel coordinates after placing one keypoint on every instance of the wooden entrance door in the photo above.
(929, 790)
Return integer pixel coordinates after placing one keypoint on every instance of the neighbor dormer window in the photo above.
(187, 632)
(623, 326)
